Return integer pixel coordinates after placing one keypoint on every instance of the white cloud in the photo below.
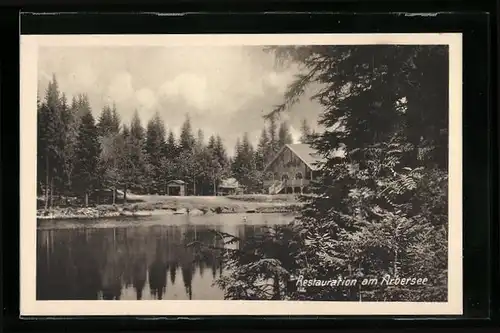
(279, 81)
(82, 75)
(224, 89)
(121, 88)
(146, 98)
(190, 87)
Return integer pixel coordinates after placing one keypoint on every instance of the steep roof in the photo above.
(303, 151)
(177, 182)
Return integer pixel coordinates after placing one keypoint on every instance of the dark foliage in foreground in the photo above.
(382, 207)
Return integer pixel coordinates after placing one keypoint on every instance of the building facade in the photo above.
(176, 188)
(292, 169)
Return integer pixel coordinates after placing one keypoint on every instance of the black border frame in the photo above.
(479, 124)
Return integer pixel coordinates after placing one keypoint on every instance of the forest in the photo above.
(79, 156)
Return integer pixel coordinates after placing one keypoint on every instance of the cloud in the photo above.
(83, 75)
(279, 80)
(189, 87)
(225, 90)
(146, 98)
(121, 88)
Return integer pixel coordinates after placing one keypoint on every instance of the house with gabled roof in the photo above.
(292, 169)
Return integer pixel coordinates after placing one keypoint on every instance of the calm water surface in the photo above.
(136, 259)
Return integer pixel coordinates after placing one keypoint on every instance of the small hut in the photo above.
(229, 186)
(176, 188)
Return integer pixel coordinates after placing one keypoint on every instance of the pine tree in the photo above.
(390, 118)
(306, 131)
(284, 136)
(50, 141)
(217, 162)
(171, 146)
(262, 154)
(187, 140)
(136, 162)
(87, 153)
(200, 140)
(115, 120)
(273, 134)
(105, 122)
(70, 131)
(155, 150)
(244, 165)
(221, 153)
(110, 175)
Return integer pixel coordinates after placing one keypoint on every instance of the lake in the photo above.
(137, 259)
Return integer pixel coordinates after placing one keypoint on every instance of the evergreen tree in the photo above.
(380, 206)
(221, 153)
(136, 162)
(236, 162)
(105, 122)
(273, 134)
(284, 136)
(262, 154)
(70, 130)
(50, 141)
(390, 118)
(186, 140)
(200, 140)
(115, 120)
(111, 147)
(244, 166)
(217, 162)
(171, 146)
(306, 131)
(87, 153)
(155, 150)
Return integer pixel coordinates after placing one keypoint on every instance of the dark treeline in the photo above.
(79, 155)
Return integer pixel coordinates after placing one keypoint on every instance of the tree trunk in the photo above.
(46, 182)
(86, 199)
(114, 195)
(215, 188)
(125, 195)
(51, 192)
(194, 186)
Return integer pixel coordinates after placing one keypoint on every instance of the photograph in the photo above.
(241, 174)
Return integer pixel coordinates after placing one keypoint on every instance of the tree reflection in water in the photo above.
(129, 263)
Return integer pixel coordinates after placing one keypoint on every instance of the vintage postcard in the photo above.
(181, 175)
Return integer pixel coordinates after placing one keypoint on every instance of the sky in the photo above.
(224, 89)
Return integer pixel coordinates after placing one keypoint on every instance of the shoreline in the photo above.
(193, 206)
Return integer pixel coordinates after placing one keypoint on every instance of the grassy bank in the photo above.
(192, 205)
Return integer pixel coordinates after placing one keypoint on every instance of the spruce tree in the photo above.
(155, 150)
(186, 140)
(262, 153)
(87, 154)
(136, 162)
(284, 136)
(305, 131)
(390, 119)
(105, 122)
(50, 141)
(273, 133)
